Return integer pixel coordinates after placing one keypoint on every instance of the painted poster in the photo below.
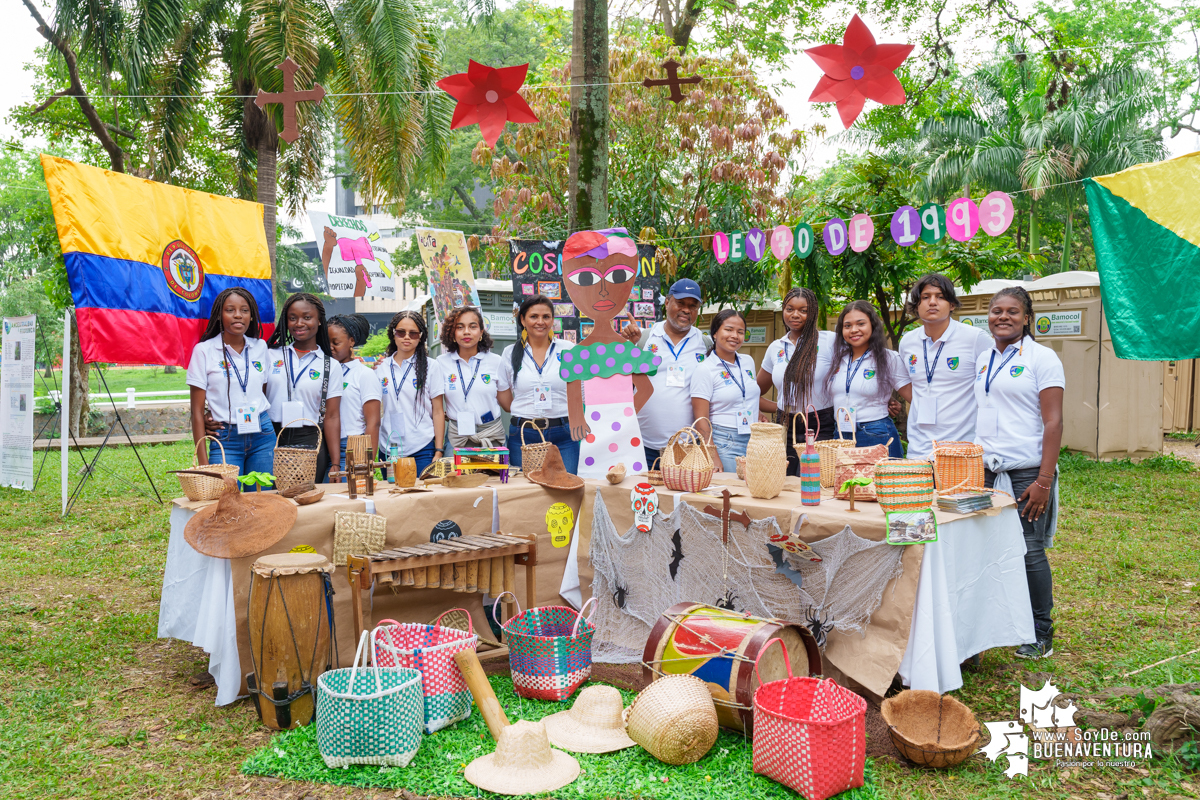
(535, 270)
(16, 403)
(355, 264)
(448, 269)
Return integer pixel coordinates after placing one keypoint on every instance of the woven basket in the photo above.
(904, 485)
(532, 455)
(295, 466)
(828, 451)
(931, 729)
(654, 476)
(438, 468)
(202, 487)
(766, 460)
(549, 649)
(957, 465)
(674, 719)
(687, 465)
(741, 467)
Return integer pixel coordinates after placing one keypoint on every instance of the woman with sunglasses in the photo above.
(413, 416)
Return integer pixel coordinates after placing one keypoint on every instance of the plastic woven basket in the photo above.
(549, 649)
(904, 485)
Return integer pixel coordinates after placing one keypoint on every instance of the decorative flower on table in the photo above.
(488, 96)
(858, 70)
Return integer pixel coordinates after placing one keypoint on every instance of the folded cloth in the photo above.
(1003, 483)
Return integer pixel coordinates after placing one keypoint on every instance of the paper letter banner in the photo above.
(536, 269)
(349, 248)
(16, 403)
(145, 260)
(448, 269)
(1147, 237)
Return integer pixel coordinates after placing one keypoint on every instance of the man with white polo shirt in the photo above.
(940, 357)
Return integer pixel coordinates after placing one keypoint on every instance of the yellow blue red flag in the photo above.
(145, 260)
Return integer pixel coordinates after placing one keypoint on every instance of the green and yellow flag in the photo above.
(1146, 231)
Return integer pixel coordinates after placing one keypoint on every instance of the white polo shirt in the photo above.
(359, 386)
(943, 385)
(1016, 379)
(864, 396)
(670, 407)
(407, 417)
(220, 372)
(306, 375)
(529, 380)
(727, 391)
(471, 387)
(776, 360)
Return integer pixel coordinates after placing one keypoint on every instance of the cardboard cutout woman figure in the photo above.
(604, 369)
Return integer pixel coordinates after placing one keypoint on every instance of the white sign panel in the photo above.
(500, 323)
(16, 403)
(975, 321)
(1059, 323)
(756, 334)
(355, 264)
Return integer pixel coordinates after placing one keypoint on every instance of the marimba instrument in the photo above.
(484, 563)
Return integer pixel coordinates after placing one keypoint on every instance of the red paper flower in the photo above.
(488, 96)
(858, 70)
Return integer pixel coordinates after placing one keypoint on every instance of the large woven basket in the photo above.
(828, 451)
(203, 487)
(931, 729)
(296, 466)
(904, 485)
(549, 649)
(687, 464)
(532, 455)
(765, 466)
(957, 465)
(674, 719)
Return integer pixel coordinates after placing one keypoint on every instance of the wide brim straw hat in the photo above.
(240, 524)
(553, 474)
(594, 724)
(523, 763)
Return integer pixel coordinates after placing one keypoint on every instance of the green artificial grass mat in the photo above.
(437, 769)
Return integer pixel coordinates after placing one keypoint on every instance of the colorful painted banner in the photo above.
(448, 270)
(354, 262)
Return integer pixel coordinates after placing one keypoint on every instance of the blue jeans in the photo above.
(652, 455)
(729, 444)
(251, 452)
(559, 435)
(878, 431)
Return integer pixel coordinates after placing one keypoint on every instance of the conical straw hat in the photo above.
(592, 725)
(523, 763)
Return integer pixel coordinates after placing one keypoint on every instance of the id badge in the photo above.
(395, 428)
(928, 413)
(466, 424)
(847, 419)
(987, 423)
(676, 377)
(743, 421)
(247, 419)
(293, 412)
(541, 398)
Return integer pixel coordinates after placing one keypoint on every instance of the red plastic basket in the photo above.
(809, 734)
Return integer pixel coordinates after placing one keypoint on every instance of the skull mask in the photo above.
(645, 503)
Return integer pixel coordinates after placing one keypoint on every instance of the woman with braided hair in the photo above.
(361, 394)
(412, 384)
(797, 365)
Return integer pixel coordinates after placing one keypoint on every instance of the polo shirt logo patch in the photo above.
(486, 378)
(383, 382)
(1016, 371)
(781, 353)
(257, 365)
(912, 360)
(345, 384)
(699, 357)
(952, 363)
(278, 363)
(653, 348)
(314, 374)
(868, 374)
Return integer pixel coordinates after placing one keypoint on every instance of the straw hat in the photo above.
(240, 524)
(592, 725)
(523, 763)
(553, 474)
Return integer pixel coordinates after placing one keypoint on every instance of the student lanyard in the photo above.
(292, 376)
(787, 346)
(850, 373)
(670, 347)
(741, 384)
(467, 386)
(987, 379)
(542, 365)
(936, 356)
(242, 382)
(397, 384)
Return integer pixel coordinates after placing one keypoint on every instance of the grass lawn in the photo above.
(93, 705)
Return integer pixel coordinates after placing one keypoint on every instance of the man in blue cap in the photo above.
(682, 347)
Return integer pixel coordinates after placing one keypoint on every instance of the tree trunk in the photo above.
(1065, 263)
(77, 381)
(268, 149)
(683, 27)
(587, 206)
(1035, 237)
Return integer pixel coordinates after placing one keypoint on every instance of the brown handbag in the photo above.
(855, 462)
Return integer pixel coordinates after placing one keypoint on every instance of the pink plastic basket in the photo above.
(430, 650)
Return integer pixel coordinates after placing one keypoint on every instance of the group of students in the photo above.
(1003, 391)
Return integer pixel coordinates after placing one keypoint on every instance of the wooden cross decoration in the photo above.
(725, 515)
(289, 97)
(673, 80)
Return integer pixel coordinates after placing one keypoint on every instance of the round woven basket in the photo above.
(295, 466)
(904, 485)
(766, 460)
(532, 455)
(957, 465)
(828, 451)
(687, 464)
(204, 487)
(654, 476)
(930, 729)
(674, 718)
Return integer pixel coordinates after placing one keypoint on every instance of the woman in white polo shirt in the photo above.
(724, 391)
(227, 372)
(414, 419)
(539, 393)
(1019, 391)
(361, 393)
(476, 381)
(863, 376)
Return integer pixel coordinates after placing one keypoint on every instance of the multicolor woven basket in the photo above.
(549, 650)
(904, 485)
(957, 466)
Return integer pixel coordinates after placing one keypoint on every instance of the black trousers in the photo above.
(822, 419)
(305, 436)
(1037, 566)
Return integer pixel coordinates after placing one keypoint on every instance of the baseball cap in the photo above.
(685, 287)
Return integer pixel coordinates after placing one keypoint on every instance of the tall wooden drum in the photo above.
(290, 635)
(719, 647)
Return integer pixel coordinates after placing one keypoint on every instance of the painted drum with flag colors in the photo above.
(145, 260)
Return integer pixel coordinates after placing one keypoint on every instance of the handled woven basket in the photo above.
(654, 476)
(687, 465)
(904, 485)
(296, 466)
(205, 487)
(828, 451)
(957, 465)
(532, 455)
(549, 649)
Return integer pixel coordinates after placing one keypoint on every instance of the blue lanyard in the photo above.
(292, 376)
(229, 360)
(467, 386)
(987, 379)
(542, 365)
(936, 356)
(851, 373)
(682, 345)
(397, 384)
(741, 384)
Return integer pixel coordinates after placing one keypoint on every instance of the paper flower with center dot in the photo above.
(488, 96)
(858, 70)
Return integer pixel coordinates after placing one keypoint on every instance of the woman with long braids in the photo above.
(413, 416)
(539, 394)
(302, 387)
(227, 372)
(863, 376)
(361, 394)
(1019, 391)
(477, 380)
(797, 365)
(723, 390)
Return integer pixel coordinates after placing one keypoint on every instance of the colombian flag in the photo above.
(145, 260)
(1146, 233)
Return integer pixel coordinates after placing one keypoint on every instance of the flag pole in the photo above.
(65, 399)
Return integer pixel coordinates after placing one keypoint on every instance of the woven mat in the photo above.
(355, 533)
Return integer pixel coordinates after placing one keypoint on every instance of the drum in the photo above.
(720, 647)
(291, 644)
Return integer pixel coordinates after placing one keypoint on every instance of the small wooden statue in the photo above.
(360, 466)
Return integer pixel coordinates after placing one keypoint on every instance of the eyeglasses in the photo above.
(401, 334)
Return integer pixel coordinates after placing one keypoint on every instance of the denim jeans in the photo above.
(729, 444)
(1037, 566)
(879, 431)
(821, 422)
(251, 452)
(423, 457)
(652, 455)
(559, 435)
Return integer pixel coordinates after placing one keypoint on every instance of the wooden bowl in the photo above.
(309, 497)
